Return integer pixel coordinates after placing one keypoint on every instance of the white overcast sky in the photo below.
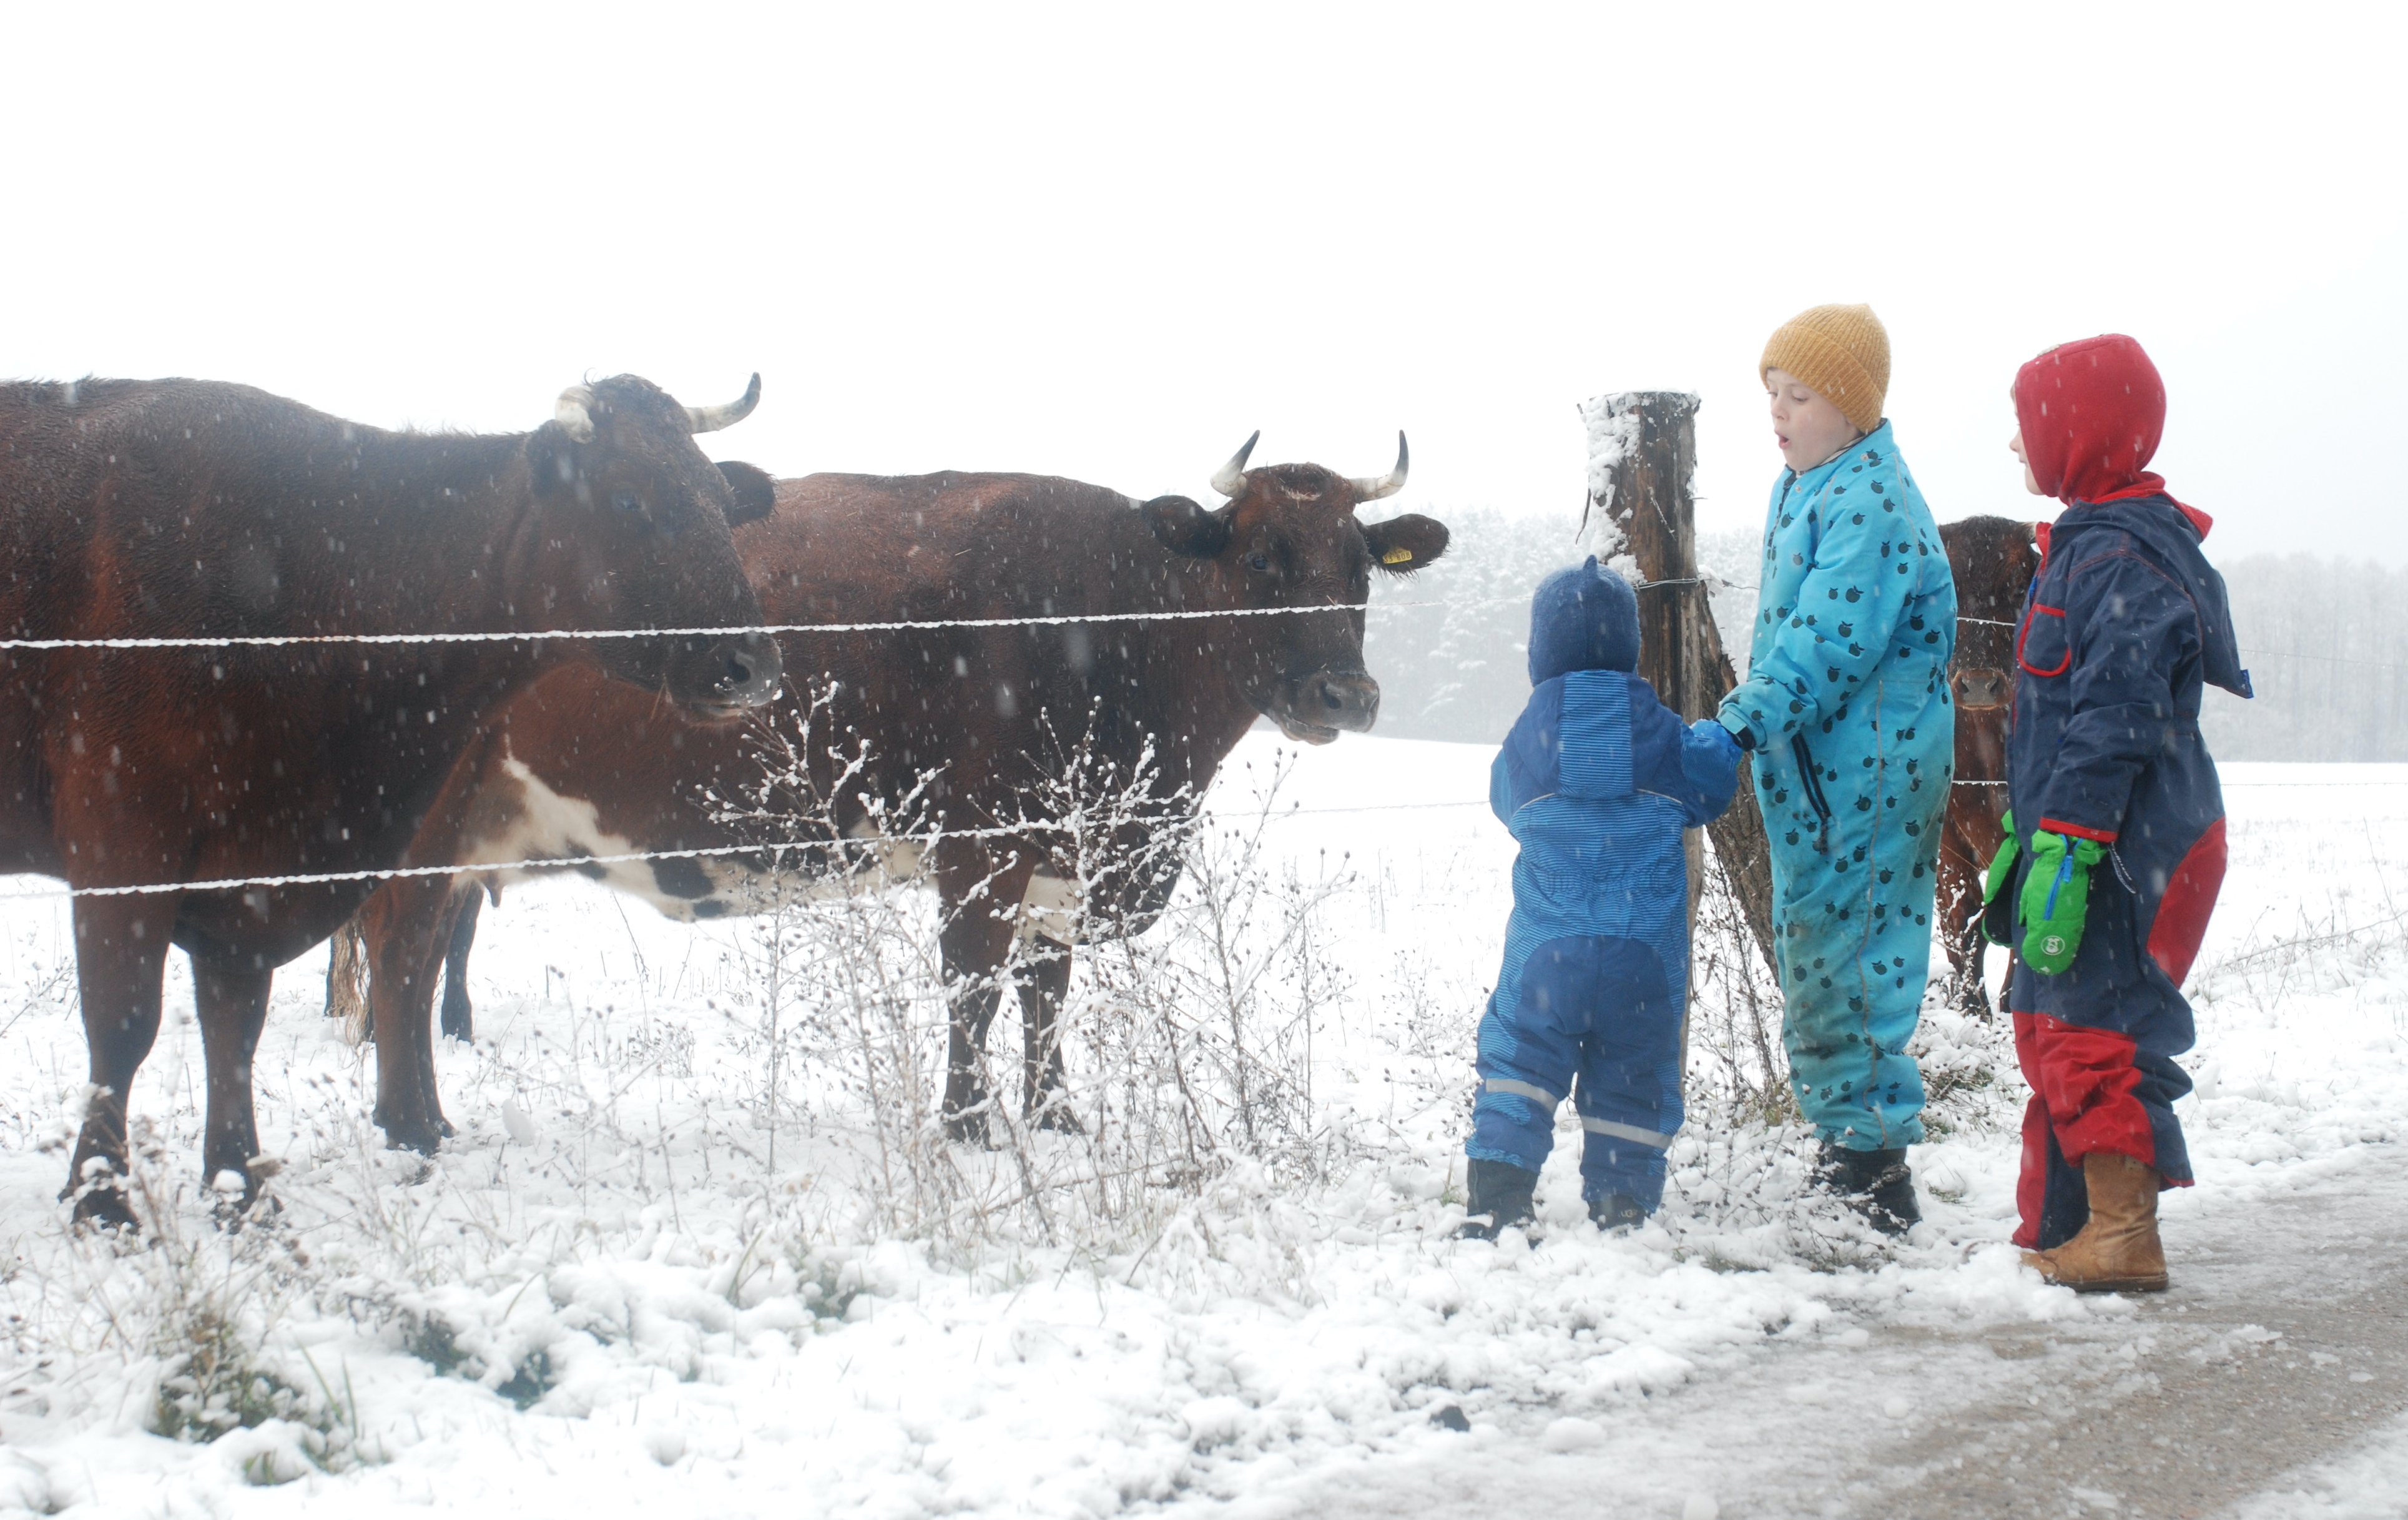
(1107, 243)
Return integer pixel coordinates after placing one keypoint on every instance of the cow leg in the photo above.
(230, 995)
(1959, 903)
(404, 924)
(979, 898)
(1044, 982)
(459, 1019)
(120, 961)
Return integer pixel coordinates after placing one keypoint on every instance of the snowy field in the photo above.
(655, 1269)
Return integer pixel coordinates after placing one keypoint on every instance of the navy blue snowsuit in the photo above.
(1596, 780)
(2124, 626)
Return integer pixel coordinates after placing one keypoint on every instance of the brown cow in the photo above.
(579, 767)
(1993, 559)
(188, 508)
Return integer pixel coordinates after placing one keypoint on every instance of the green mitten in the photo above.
(2002, 865)
(2057, 899)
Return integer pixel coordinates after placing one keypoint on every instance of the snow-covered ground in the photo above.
(610, 1290)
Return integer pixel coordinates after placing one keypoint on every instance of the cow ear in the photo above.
(552, 464)
(756, 494)
(1185, 528)
(1404, 544)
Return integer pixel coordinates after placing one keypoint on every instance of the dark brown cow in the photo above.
(183, 508)
(1993, 559)
(579, 767)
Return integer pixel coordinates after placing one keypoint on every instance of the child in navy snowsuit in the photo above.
(1596, 780)
(2115, 844)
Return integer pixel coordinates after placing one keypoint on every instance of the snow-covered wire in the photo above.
(396, 873)
(1039, 621)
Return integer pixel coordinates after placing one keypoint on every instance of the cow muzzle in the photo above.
(731, 678)
(1980, 689)
(1322, 706)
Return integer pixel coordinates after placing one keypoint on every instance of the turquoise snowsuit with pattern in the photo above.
(1846, 704)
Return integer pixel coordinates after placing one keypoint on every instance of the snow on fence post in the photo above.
(1642, 453)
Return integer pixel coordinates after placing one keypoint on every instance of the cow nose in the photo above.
(1341, 699)
(1982, 688)
(750, 670)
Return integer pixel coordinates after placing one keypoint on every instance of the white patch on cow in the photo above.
(1049, 910)
(549, 831)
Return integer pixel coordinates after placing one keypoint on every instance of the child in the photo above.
(2115, 844)
(1596, 780)
(1846, 707)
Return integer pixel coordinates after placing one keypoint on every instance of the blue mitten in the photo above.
(1726, 746)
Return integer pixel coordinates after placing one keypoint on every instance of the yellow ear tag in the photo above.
(1395, 556)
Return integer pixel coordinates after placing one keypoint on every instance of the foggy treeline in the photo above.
(2324, 640)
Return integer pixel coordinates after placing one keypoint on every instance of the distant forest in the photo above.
(2326, 642)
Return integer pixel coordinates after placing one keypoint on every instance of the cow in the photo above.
(192, 509)
(578, 768)
(1993, 559)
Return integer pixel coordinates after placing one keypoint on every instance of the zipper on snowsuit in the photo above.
(1810, 781)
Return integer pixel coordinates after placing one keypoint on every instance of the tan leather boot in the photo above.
(2118, 1251)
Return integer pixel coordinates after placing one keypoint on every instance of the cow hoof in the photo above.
(251, 1208)
(104, 1206)
(1054, 1115)
(425, 1139)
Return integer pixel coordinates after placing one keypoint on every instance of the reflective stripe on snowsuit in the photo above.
(1847, 701)
(2124, 626)
(1596, 780)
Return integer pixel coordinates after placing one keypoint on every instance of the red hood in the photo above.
(2091, 414)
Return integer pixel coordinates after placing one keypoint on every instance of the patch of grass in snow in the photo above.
(202, 1290)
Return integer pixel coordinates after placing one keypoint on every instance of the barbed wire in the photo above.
(401, 873)
(1016, 830)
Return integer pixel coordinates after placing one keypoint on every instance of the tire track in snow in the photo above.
(2282, 1343)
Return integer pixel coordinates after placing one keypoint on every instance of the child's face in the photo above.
(2031, 481)
(1808, 428)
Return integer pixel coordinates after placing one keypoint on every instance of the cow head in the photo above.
(1289, 537)
(1992, 560)
(631, 531)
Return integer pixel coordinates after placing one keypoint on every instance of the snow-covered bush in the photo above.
(1187, 1039)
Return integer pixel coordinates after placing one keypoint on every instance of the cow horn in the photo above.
(711, 419)
(1230, 478)
(1372, 487)
(574, 413)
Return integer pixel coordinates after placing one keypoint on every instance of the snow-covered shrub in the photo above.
(1187, 1034)
(1738, 1072)
(194, 1306)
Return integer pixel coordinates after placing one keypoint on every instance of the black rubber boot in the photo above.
(1616, 1214)
(1500, 1195)
(1876, 1183)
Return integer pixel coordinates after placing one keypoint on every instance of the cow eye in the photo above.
(1258, 563)
(628, 501)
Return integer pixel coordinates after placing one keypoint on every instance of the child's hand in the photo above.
(2057, 899)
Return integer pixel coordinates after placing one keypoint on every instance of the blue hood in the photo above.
(1585, 618)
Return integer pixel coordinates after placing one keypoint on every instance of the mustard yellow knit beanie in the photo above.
(1842, 351)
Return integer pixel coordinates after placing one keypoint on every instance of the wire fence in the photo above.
(1019, 830)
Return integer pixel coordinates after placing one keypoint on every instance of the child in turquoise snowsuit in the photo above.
(1596, 780)
(1846, 709)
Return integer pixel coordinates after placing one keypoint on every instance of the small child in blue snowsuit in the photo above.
(1596, 780)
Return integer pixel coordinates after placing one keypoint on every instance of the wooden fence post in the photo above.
(1643, 451)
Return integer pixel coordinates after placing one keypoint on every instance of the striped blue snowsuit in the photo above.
(1846, 705)
(1596, 780)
